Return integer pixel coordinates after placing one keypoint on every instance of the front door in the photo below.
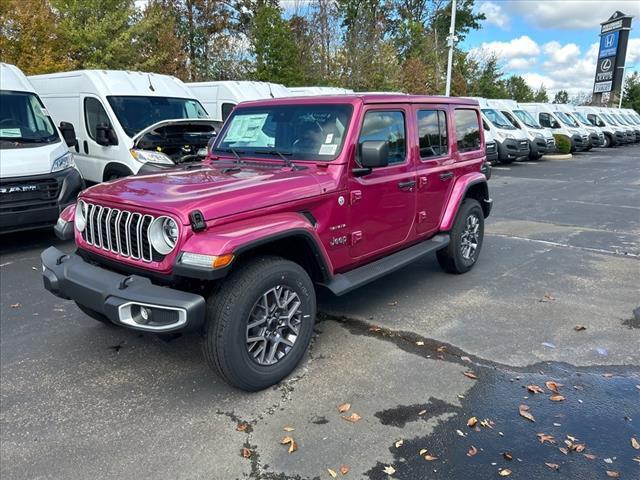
(383, 203)
(93, 157)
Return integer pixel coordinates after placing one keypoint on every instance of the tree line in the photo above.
(365, 45)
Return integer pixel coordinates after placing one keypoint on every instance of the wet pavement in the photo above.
(416, 354)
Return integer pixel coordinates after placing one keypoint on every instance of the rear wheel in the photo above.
(93, 314)
(507, 161)
(467, 235)
(260, 322)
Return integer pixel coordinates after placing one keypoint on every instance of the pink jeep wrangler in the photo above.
(334, 191)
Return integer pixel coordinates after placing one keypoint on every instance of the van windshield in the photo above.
(582, 119)
(566, 119)
(609, 119)
(24, 121)
(498, 119)
(527, 119)
(303, 132)
(135, 113)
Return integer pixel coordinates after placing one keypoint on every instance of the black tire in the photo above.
(607, 141)
(93, 314)
(229, 309)
(451, 258)
(115, 172)
(537, 156)
(507, 161)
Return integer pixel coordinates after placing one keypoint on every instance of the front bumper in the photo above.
(578, 143)
(41, 207)
(119, 297)
(540, 146)
(511, 149)
(596, 139)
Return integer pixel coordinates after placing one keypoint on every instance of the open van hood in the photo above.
(179, 121)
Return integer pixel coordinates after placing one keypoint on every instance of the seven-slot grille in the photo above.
(119, 231)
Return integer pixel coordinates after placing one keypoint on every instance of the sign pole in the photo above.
(451, 38)
(621, 88)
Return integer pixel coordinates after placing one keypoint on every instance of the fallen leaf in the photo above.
(441, 348)
(422, 412)
(246, 453)
(556, 398)
(353, 418)
(392, 304)
(524, 412)
(293, 446)
(487, 423)
(472, 422)
(288, 429)
(505, 472)
(507, 456)
(461, 433)
(242, 427)
(613, 474)
(553, 386)
(470, 375)
(589, 456)
(543, 437)
(564, 450)
(16, 305)
(389, 470)
(579, 447)
(399, 443)
(579, 328)
(420, 343)
(608, 460)
(344, 469)
(332, 473)
(423, 451)
(472, 451)
(344, 407)
(635, 444)
(547, 297)
(636, 459)
(535, 389)
(375, 328)
(430, 458)
(552, 466)
(607, 375)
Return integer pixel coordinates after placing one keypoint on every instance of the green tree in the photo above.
(518, 89)
(31, 38)
(631, 95)
(275, 48)
(562, 96)
(489, 83)
(541, 95)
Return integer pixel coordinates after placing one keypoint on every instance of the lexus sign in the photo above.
(614, 36)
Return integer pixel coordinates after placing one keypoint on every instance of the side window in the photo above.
(432, 133)
(388, 127)
(226, 110)
(545, 120)
(94, 115)
(467, 130)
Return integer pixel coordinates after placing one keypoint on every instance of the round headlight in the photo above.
(81, 216)
(163, 235)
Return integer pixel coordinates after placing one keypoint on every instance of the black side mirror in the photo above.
(105, 135)
(68, 134)
(373, 154)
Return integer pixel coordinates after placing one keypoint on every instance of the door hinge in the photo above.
(356, 195)
(356, 237)
(422, 216)
(422, 181)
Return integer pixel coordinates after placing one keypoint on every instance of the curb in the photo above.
(567, 156)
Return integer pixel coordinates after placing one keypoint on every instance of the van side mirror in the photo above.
(68, 134)
(373, 154)
(106, 135)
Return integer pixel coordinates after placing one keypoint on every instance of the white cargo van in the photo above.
(219, 98)
(540, 139)
(613, 134)
(596, 135)
(127, 122)
(629, 126)
(38, 177)
(512, 142)
(548, 118)
(311, 91)
(629, 133)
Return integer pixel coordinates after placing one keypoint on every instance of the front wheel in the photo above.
(260, 323)
(607, 142)
(467, 235)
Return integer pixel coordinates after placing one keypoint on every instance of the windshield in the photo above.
(23, 120)
(527, 119)
(497, 119)
(582, 119)
(136, 113)
(566, 119)
(620, 120)
(609, 119)
(632, 120)
(304, 132)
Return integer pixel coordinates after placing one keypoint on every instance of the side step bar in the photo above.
(345, 282)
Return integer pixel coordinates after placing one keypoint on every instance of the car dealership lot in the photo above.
(81, 400)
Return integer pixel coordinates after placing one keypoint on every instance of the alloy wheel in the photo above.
(470, 237)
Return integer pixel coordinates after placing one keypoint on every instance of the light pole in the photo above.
(451, 39)
(621, 88)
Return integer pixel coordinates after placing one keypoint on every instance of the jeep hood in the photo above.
(179, 121)
(215, 191)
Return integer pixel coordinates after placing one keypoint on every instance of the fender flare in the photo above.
(458, 194)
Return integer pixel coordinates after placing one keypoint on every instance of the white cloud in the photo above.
(560, 55)
(518, 47)
(495, 15)
(633, 52)
(569, 14)
(520, 63)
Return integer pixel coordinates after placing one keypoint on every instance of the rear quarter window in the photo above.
(467, 129)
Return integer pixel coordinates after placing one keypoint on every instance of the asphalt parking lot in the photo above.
(417, 355)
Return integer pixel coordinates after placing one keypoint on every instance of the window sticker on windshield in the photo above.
(10, 132)
(45, 112)
(329, 138)
(327, 149)
(245, 128)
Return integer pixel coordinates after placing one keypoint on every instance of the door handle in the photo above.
(85, 144)
(408, 185)
(446, 175)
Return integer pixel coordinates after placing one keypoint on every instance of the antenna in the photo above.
(150, 84)
(270, 92)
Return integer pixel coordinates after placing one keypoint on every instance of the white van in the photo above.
(549, 118)
(219, 98)
(607, 132)
(38, 178)
(614, 135)
(630, 127)
(596, 135)
(541, 141)
(127, 122)
(311, 91)
(629, 133)
(513, 143)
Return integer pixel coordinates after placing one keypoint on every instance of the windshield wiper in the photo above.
(284, 156)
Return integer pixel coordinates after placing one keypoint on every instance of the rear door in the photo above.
(383, 203)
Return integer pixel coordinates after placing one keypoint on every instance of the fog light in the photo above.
(145, 314)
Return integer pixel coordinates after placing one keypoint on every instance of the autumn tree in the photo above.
(518, 89)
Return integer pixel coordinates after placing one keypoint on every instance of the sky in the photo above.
(551, 42)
